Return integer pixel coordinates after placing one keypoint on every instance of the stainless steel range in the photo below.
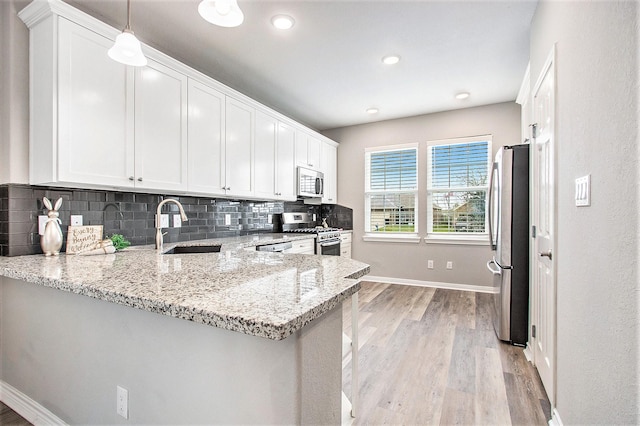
(327, 239)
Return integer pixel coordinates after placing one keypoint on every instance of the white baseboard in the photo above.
(555, 418)
(527, 353)
(434, 284)
(33, 412)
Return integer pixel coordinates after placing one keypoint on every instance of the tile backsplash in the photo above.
(130, 214)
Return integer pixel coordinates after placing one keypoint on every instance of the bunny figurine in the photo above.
(51, 239)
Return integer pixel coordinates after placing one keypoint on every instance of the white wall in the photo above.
(409, 260)
(14, 94)
(597, 249)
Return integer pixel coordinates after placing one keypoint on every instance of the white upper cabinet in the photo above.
(266, 128)
(275, 161)
(307, 151)
(239, 148)
(160, 128)
(94, 140)
(95, 123)
(206, 165)
(285, 163)
(329, 168)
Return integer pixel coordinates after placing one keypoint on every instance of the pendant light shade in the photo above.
(224, 13)
(127, 48)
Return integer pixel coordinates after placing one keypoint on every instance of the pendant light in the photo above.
(127, 49)
(224, 13)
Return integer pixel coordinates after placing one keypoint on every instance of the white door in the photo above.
(543, 307)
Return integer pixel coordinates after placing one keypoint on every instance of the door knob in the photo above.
(547, 254)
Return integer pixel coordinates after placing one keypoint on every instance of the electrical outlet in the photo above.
(430, 264)
(227, 219)
(42, 221)
(76, 220)
(177, 221)
(449, 265)
(270, 218)
(164, 220)
(122, 402)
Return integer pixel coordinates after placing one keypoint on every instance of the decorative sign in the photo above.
(81, 238)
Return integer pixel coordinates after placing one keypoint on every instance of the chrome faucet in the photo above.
(183, 216)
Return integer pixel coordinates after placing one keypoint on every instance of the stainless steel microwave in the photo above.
(310, 183)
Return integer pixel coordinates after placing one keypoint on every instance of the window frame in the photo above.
(399, 236)
(457, 237)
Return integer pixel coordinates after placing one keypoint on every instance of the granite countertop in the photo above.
(264, 294)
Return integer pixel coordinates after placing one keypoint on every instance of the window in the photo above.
(391, 189)
(457, 184)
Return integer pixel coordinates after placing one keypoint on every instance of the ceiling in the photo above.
(327, 70)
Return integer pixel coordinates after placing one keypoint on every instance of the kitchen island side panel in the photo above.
(69, 352)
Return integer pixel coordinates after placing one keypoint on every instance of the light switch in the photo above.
(583, 191)
(177, 221)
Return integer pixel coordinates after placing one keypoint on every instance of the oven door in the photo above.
(330, 248)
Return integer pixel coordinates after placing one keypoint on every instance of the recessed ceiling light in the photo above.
(462, 95)
(282, 22)
(391, 59)
(372, 110)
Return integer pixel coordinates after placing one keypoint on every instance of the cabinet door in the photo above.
(313, 153)
(160, 128)
(307, 246)
(265, 160)
(285, 163)
(206, 139)
(307, 151)
(329, 159)
(239, 148)
(95, 130)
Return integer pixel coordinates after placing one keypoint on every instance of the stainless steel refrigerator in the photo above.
(509, 233)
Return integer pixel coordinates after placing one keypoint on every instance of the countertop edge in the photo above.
(273, 331)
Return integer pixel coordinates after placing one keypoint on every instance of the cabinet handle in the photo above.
(139, 179)
(131, 178)
(310, 165)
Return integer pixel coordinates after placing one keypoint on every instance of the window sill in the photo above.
(395, 238)
(458, 240)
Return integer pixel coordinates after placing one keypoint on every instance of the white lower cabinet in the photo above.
(345, 244)
(307, 246)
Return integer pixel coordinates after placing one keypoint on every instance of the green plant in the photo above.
(119, 242)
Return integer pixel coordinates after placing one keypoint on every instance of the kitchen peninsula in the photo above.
(242, 336)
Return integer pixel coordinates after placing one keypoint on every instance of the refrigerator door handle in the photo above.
(500, 266)
(492, 183)
(493, 271)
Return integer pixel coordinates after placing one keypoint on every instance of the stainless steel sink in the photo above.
(194, 249)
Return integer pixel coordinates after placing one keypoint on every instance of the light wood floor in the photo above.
(10, 417)
(430, 357)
